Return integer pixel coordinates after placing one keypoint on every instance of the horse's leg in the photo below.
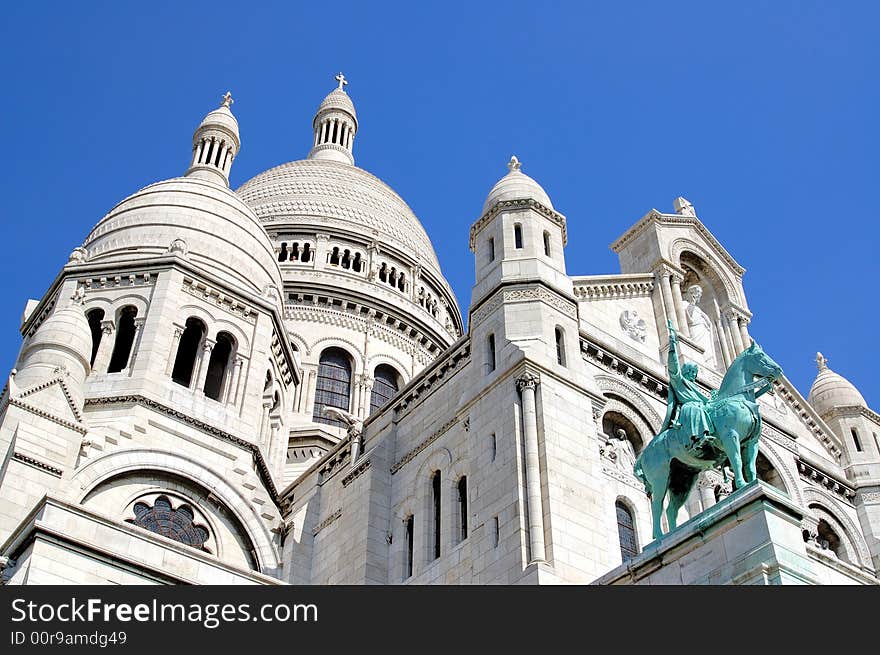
(678, 497)
(730, 442)
(750, 459)
(658, 492)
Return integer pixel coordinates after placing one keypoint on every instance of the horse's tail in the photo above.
(640, 474)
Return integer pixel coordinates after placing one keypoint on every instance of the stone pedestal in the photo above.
(751, 537)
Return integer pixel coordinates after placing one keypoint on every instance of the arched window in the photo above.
(856, 441)
(490, 353)
(334, 257)
(175, 523)
(218, 365)
(384, 387)
(124, 339)
(356, 263)
(517, 236)
(410, 533)
(626, 532)
(462, 508)
(435, 498)
(560, 346)
(307, 252)
(188, 351)
(333, 387)
(282, 256)
(547, 243)
(95, 316)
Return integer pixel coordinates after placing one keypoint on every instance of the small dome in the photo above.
(66, 330)
(219, 232)
(337, 99)
(516, 185)
(221, 118)
(832, 390)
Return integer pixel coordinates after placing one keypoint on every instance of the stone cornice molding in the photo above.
(612, 287)
(522, 292)
(217, 298)
(655, 217)
(516, 205)
(852, 411)
(43, 466)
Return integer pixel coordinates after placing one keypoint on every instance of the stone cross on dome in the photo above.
(821, 361)
(341, 79)
(227, 100)
(514, 164)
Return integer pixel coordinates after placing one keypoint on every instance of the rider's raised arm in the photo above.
(672, 363)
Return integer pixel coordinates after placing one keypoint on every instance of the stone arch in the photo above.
(717, 269)
(357, 359)
(136, 300)
(632, 396)
(849, 530)
(197, 311)
(299, 342)
(120, 462)
(789, 480)
(400, 367)
(643, 430)
(242, 343)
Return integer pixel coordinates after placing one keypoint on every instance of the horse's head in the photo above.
(757, 362)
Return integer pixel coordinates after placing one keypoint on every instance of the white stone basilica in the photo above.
(275, 385)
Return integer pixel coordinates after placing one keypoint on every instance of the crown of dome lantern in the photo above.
(335, 126)
(216, 142)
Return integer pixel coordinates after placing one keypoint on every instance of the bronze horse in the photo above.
(672, 461)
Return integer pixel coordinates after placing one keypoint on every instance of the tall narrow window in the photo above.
(333, 388)
(384, 387)
(218, 366)
(188, 351)
(547, 243)
(435, 497)
(626, 532)
(496, 532)
(462, 509)
(856, 440)
(95, 316)
(490, 353)
(517, 236)
(491, 249)
(560, 346)
(282, 256)
(410, 533)
(876, 441)
(493, 447)
(124, 339)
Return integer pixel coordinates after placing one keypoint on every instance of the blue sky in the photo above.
(763, 114)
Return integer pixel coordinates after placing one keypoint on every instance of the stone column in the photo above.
(527, 384)
(732, 319)
(747, 340)
(706, 483)
(321, 243)
(678, 303)
(135, 342)
(202, 375)
(725, 352)
(666, 291)
(175, 344)
(234, 381)
(105, 348)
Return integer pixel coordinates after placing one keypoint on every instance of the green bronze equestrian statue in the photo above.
(701, 433)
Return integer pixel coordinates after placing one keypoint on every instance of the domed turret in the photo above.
(197, 216)
(335, 126)
(215, 144)
(831, 390)
(516, 185)
(63, 341)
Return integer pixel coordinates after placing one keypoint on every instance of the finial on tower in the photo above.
(341, 79)
(227, 100)
(514, 164)
(821, 361)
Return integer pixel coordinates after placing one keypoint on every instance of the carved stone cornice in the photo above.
(811, 474)
(326, 522)
(43, 466)
(522, 293)
(217, 298)
(523, 203)
(611, 287)
(408, 457)
(359, 470)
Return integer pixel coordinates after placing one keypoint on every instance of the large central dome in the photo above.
(331, 191)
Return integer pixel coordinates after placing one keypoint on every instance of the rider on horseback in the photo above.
(691, 419)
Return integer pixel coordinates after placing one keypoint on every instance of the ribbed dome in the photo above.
(220, 232)
(326, 192)
(337, 99)
(832, 390)
(516, 185)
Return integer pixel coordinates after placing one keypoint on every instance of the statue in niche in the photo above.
(622, 449)
(634, 326)
(699, 324)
